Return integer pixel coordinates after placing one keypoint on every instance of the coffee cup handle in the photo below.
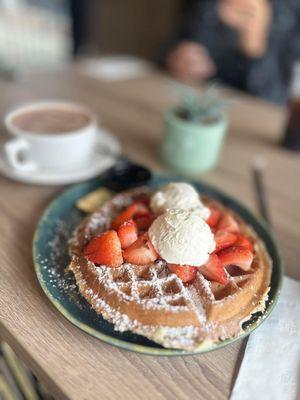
(14, 150)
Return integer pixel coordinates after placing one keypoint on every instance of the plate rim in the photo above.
(139, 348)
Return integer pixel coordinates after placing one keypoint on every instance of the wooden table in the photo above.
(71, 363)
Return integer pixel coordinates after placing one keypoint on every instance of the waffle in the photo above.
(152, 301)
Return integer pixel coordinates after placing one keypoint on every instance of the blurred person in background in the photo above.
(251, 45)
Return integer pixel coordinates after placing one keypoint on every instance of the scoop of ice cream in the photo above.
(182, 237)
(178, 195)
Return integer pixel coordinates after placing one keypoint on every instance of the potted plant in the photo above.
(194, 130)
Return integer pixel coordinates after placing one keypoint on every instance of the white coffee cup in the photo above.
(32, 150)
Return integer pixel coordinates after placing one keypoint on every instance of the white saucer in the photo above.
(106, 150)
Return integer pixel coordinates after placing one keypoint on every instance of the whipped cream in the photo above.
(182, 237)
(178, 195)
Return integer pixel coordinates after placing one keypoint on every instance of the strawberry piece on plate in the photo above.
(243, 241)
(236, 255)
(228, 223)
(143, 223)
(142, 198)
(105, 249)
(224, 239)
(214, 218)
(127, 233)
(141, 252)
(134, 210)
(213, 270)
(184, 272)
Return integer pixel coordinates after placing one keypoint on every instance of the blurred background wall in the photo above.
(46, 33)
(34, 34)
(138, 27)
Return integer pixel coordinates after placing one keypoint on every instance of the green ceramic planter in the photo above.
(190, 147)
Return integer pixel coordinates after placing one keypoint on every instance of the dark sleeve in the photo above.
(270, 76)
(198, 24)
(198, 16)
(294, 37)
(202, 24)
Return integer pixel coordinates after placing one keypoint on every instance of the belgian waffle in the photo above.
(152, 301)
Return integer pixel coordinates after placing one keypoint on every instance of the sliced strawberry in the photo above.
(184, 272)
(105, 249)
(224, 239)
(92, 246)
(228, 223)
(134, 210)
(243, 241)
(236, 255)
(214, 217)
(143, 223)
(127, 233)
(142, 198)
(213, 270)
(141, 252)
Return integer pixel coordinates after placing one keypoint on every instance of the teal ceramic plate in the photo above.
(51, 257)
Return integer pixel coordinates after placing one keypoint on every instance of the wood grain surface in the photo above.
(71, 363)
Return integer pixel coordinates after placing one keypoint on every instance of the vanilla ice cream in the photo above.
(178, 195)
(182, 237)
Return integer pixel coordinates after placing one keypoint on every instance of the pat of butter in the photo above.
(93, 200)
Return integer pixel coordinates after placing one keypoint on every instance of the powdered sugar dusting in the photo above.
(152, 288)
(156, 288)
(197, 301)
(149, 287)
(179, 337)
(57, 258)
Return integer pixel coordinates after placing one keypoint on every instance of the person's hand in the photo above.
(190, 61)
(251, 19)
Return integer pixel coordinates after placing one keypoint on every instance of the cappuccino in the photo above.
(51, 121)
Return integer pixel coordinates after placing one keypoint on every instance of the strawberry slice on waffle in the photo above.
(105, 249)
(185, 272)
(213, 270)
(236, 255)
(141, 252)
(127, 233)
